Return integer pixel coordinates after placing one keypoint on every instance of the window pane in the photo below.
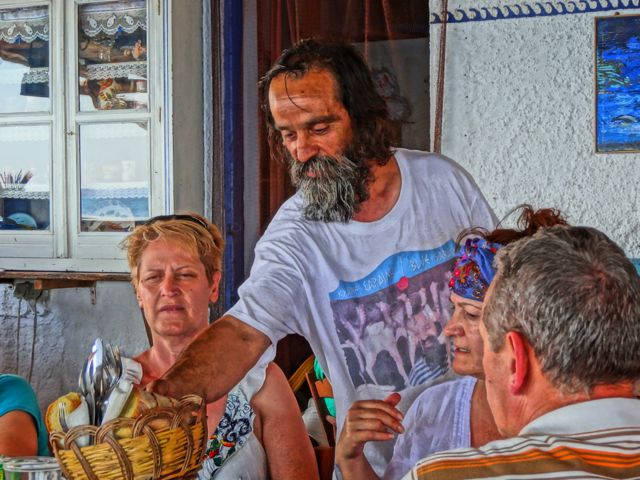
(114, 176)
(24, 177)
(112, 55)
(24, 60)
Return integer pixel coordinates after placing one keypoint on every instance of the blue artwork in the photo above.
(618, 84)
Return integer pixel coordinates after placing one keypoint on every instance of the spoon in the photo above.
(82, 386)
(98, 380)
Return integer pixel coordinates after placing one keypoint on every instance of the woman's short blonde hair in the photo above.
(190, 230)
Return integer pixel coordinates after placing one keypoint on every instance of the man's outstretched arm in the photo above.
(215, 361)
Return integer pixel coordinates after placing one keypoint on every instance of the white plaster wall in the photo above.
(519, 116)
(66, 325)
(251, 129)
(188, 105)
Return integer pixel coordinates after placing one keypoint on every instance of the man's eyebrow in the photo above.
(312, 122)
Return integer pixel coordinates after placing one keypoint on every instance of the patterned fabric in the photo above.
(231, 433)
(113, 18)
(25, 24)
(575, 441)
(105, 71)
(473, 271)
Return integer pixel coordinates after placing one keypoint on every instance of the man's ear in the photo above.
(519, 362)
(215, 287)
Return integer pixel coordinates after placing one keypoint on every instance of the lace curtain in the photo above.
(24, 25)
(113, 17)
(31, 23)
(20, 28)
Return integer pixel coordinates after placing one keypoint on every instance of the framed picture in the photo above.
(617, 82)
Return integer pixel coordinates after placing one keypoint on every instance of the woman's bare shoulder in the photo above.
(275, 392)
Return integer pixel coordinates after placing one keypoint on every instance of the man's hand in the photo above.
(366, 420)
(215, 361)
(159, 386)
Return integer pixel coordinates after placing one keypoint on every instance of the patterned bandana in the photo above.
(473, 272)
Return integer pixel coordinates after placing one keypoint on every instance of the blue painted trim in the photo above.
(233, 151)
(636, 262)
(534, 9)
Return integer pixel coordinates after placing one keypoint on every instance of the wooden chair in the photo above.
(320, 389)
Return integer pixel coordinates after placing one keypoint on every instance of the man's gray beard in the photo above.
(335, 191)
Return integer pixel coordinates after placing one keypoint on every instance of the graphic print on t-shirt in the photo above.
(390, 322)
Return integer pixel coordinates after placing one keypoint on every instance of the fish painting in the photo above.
(618, 84)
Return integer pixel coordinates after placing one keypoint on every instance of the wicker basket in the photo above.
(173, 451)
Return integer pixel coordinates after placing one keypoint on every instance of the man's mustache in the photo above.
(313, 165)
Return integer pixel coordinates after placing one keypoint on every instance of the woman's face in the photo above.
(173, 290)
(463, 329)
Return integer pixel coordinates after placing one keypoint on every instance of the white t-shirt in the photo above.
(438, 420)
(370, 297)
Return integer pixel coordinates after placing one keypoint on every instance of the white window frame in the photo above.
(64, 247)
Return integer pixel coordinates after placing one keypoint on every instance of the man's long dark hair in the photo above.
(356, 90)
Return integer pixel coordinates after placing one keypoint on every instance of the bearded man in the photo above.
(367, 223)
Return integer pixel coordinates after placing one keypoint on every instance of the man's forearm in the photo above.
(215, 361)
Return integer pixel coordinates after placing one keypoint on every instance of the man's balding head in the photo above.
(574, 296)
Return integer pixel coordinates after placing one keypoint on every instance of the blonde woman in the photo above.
(255, 431)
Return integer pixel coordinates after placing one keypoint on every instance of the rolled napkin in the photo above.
(117, 400)
(119, 396)
(68, 403)
(74, 411)
(131, 370)
(126, 400)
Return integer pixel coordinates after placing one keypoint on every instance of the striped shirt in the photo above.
(423, 372)
(593, 439)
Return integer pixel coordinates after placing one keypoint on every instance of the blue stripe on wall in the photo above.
(534, 9)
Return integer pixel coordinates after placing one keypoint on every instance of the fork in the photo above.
(62, 417)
